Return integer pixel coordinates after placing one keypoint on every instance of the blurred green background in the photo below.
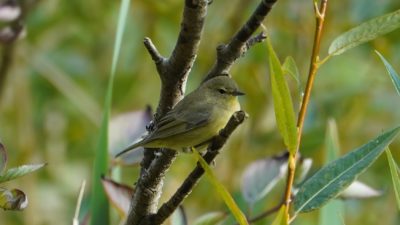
(51, 103)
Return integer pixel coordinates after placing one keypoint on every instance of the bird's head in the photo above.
(223, 87)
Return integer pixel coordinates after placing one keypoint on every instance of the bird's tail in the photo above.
(129, 148)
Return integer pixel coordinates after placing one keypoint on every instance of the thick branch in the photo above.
(239, 44)
(175, 69)
(184, 190)
(173, 73)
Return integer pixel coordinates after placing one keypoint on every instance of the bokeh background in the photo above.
(51, 102)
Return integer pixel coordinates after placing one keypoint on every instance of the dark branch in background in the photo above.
(241, 41)
(173, 73)
(183, 191)
(14, 13)
(8, 35)
(5, 63)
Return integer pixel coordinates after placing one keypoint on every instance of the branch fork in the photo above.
(173, 72)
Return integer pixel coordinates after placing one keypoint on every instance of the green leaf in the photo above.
(3, 158)
(332, 148)
(395, 176)
(230, 203)
(13, 200)
(99, 204)
(365, 32)
(328, 182)
(280, 219)
(284, 113)
(332, 213)
(392, 73)
(20, 171)
(211, 218)
(289, 67)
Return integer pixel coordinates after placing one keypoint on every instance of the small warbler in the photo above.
(196, 118)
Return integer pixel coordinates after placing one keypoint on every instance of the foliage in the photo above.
(13, 199)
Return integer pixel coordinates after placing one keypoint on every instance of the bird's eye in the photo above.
(222, 91)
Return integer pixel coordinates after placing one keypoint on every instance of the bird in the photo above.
(196, 119)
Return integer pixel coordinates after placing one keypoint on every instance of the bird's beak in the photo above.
(237, 93)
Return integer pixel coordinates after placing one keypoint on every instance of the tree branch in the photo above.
(187, 186)
(173, 73)
(155, 55)
(227, 54)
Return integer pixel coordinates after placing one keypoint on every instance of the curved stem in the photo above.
(314, 65)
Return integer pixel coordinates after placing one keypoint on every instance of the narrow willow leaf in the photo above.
(332, 145)
(20, 171)
(99, 205)
(289, 67)
(261, 176)
(365, 32)
(3, 158)
(395, 176)
(333, 178)
(230, 203)
(283, 106)
(392, 73)
(211, 218)
(280, 219)
(13, 199)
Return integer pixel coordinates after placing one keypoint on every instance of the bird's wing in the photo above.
(179, 121)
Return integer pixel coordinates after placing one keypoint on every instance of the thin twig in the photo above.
(320, 18)
(151, 48)
(256, 39)
(78, 203)
(227, 54)
(183, 191)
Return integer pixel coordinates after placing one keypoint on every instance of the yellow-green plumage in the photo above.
(196, 118)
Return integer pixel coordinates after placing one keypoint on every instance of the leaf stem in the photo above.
(314, 65)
